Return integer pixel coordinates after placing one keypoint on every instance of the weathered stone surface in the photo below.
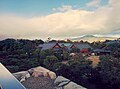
(39, 83)
(73, 85)
(40, 71)
(61, 81)
(44, 79)
(21, 76)
(52, 75)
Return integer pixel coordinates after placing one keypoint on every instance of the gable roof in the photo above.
(82, 46)
(50, 45)
(46, 46)
(67, 45)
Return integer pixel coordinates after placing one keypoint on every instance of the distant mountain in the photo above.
(91, 38)
(88, 36)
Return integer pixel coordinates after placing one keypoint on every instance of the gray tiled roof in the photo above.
(48, 45)
(65, 44)
(101, 50)
(82, 46)
(68, 45)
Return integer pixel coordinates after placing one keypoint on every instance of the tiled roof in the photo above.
(68, 45)
(101, 50)
(82, 46)
(48, 45)
(65, 44)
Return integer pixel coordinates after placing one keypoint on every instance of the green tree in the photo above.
(75, 50)
(115, 48)
(13, 69)
(109, 70)
(49, 52)
(50, 61)
(65, 55)
(78, 57)
(43, 54)
(36, 52)
(33, 63)
(62, 69)
(80, 69)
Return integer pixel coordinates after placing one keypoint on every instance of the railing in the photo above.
(8, 81)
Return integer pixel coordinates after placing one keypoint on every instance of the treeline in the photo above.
(18, 55)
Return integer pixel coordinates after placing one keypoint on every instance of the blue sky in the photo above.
(58, 18)
(40, 7)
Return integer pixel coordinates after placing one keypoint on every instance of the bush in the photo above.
(65, 55)
(43, 54)
(50, 61)
(62, 69)
(33, 63)
(13, 68)
(109, 70)
(75, 50)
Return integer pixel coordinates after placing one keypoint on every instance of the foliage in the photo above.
(98, 44)
(115, 48)
(65, 55)
(78, 56)
(109, 70)
(33, 63)
(75, 50)
(50, 61)
(43, 54)
(49, 52)
(81, 68)
(13, 68)
(62, 69)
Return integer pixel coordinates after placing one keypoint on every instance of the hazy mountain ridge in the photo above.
(91, 38)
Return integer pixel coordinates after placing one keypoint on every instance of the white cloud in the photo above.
(72, 23)
(63, 8)
(93, 3)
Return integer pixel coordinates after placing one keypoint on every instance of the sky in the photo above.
(58, 19)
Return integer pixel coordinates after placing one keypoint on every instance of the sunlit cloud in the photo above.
(64, 23)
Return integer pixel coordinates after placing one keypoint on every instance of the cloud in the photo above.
(63, 8)
(71, 23)
(93, 3)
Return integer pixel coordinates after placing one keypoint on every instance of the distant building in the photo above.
(101, 52)
(113, 41)
(67, 46)
(52, 45)
(83, 47)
